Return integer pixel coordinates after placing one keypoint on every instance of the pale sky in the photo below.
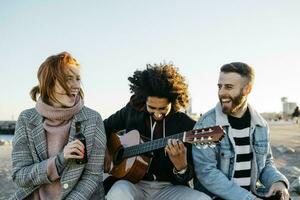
(111, 39)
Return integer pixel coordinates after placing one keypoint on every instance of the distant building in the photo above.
(287, 107)
(189, 111)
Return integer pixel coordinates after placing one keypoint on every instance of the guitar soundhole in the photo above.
(118, 156)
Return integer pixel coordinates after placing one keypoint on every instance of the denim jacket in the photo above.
(214, 167)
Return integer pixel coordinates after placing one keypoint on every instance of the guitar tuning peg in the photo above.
(201, 145)
(204, 146)
(198, 146)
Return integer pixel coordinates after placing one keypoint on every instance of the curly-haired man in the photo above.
(159, 93)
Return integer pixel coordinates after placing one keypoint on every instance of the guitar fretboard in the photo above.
(149, 146)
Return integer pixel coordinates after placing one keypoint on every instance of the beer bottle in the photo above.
(81, 138)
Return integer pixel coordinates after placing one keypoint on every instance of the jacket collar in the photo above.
(222, 120)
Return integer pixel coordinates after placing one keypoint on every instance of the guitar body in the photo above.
(129, 152)
(132, 169)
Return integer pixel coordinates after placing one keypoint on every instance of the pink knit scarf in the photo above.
(58, 120)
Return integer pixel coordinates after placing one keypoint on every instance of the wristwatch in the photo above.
(181, 172)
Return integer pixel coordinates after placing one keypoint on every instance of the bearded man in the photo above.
(241, 165)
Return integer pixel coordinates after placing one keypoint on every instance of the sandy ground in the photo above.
(286, 134)
(7, 187)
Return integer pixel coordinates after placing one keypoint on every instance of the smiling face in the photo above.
(233, 92)
(63, 98)
(158, 107)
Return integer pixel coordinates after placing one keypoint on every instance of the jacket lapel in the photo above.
(38, 136)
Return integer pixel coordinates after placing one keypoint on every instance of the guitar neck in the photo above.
(149, 146)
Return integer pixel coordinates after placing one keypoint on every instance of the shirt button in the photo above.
(65, 186)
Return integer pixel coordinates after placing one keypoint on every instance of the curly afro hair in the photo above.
(160, 80)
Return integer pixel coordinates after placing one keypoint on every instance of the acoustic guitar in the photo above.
(128, 150)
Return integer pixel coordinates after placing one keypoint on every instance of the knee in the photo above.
(119, 190)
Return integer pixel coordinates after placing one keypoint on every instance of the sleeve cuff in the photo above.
(180, 173)
(60, 163)
(52, 172)
(43, 172)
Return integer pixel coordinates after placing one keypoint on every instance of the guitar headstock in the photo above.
(204, 137)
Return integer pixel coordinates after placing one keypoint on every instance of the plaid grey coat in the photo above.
(29, 157)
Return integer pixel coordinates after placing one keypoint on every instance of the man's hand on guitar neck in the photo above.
(107, 161)
(177, 154)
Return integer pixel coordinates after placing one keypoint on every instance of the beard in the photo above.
(237, 103)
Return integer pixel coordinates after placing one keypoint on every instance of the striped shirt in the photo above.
(240, 131)
(242, 173)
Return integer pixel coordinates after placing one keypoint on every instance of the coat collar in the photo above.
(222, 120)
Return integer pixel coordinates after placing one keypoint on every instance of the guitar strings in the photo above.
(144, 147)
